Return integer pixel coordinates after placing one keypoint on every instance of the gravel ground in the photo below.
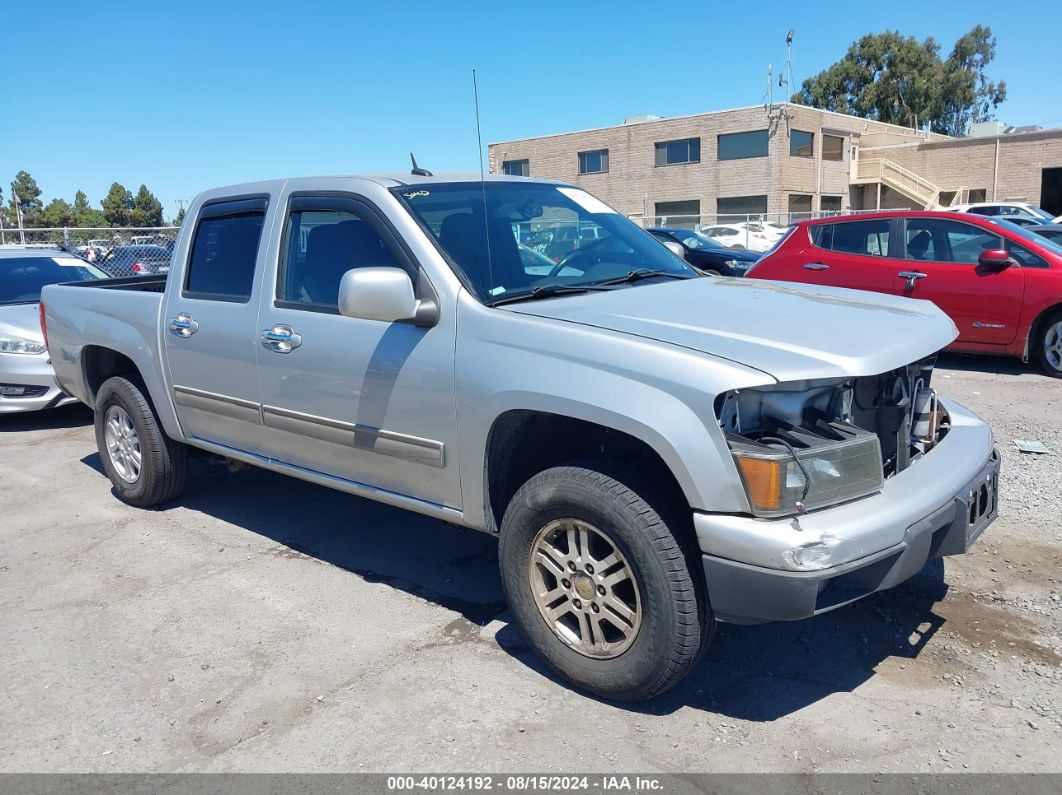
(270, 625)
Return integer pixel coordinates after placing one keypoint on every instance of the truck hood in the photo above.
(21, 320)
(789, 331)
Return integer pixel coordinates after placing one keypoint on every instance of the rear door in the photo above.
(940, 265)
(210, 322)
(853, 254)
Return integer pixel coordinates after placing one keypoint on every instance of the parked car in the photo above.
(1003, 208)
(139, 260)
(1000, 283)
(1052, 232)
(27, 382)
(751, 236)
(705, 254)
(1020, 220)
(656, 450)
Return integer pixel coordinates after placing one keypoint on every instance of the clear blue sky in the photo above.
(188, 95)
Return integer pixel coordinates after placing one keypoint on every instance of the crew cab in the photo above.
(657, 450)
(1000, 283)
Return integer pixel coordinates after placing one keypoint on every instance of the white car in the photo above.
(755, 236)
(1003, 208)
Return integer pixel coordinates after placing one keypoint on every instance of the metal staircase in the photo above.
(880, 171)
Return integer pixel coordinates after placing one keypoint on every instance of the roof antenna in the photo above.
(417, 170)
(483, 185)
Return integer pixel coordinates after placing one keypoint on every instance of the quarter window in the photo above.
(517, 168)
(832, 147)
(670, 153)
(801, 144)
(221, 267)
(321, 246)
(739, 146)
(595, 162)
(869, 238)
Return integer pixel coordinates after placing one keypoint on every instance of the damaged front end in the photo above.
(805, 445)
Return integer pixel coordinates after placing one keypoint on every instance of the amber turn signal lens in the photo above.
(764, 478)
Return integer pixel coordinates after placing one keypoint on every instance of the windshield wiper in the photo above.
(638, 275)
(548, 291)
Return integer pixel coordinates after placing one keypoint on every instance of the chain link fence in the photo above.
(126, 251)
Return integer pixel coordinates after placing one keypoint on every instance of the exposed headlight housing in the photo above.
(10, 344)
(796, 470)
(738, 264)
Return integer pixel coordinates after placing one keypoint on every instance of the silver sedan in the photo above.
(27, 382)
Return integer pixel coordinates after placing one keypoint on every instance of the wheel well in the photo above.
(1036, 328)
(524, 443)
(100, 363)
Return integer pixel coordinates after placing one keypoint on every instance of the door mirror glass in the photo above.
(994, 259)
(384, 294)
(675, 248)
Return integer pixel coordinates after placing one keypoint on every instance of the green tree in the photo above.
(180, 217)
(898, 79)
(29, 193)
(85, 215)
(58, 212)
(118, 205)
(147, 210)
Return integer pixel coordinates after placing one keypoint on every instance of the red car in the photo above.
(1001, 285)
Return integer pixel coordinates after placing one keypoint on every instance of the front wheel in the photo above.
(1050, 345)
(599, 583)
(146, 467)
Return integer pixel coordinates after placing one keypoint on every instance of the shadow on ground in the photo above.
(75, 415)
(996, 365)
(757, 673)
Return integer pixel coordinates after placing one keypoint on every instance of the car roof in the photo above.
(21, 252)
(1045, 227)
(956, 216)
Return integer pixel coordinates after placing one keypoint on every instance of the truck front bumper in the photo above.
(756, 570)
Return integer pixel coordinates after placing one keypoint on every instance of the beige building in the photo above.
(793, 160)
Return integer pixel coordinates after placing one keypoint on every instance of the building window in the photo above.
(977, 195)
(830, 204)
(686, 214)
(516, 168)
(595, 162)
(832, 147)
(800, 205)
(740, 206)
(801, 144)
(670, 153)
(738, 146)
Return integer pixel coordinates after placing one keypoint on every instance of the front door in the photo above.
(941, 265)
(209, 325)
(363, 400)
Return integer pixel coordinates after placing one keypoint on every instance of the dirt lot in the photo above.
(266, 624)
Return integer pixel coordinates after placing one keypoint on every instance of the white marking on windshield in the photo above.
(586, 201)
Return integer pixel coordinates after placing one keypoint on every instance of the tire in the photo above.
(672, 623)
(146, 467)
(1048, 343)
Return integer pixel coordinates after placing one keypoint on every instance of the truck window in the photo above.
(221, 267)
(321, 246)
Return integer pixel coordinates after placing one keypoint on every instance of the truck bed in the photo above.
(143, 284)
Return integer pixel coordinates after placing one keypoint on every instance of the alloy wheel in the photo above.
(123, 444)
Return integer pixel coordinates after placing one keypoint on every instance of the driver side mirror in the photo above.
(384, 294)
(995, 260)
(675, 248)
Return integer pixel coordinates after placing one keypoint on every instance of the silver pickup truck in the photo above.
(655, 449)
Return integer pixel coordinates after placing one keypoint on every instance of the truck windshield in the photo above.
(513, 239)
(23, 278)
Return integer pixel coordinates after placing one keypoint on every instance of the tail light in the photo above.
(139, 268)
(44, 323)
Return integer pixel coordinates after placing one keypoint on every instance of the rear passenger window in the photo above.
(221, 267)
(855, 237)
(321, 246)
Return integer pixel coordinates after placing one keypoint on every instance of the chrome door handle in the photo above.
(912, 278)
(183, 325)
(281, 339)
(815, 266)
